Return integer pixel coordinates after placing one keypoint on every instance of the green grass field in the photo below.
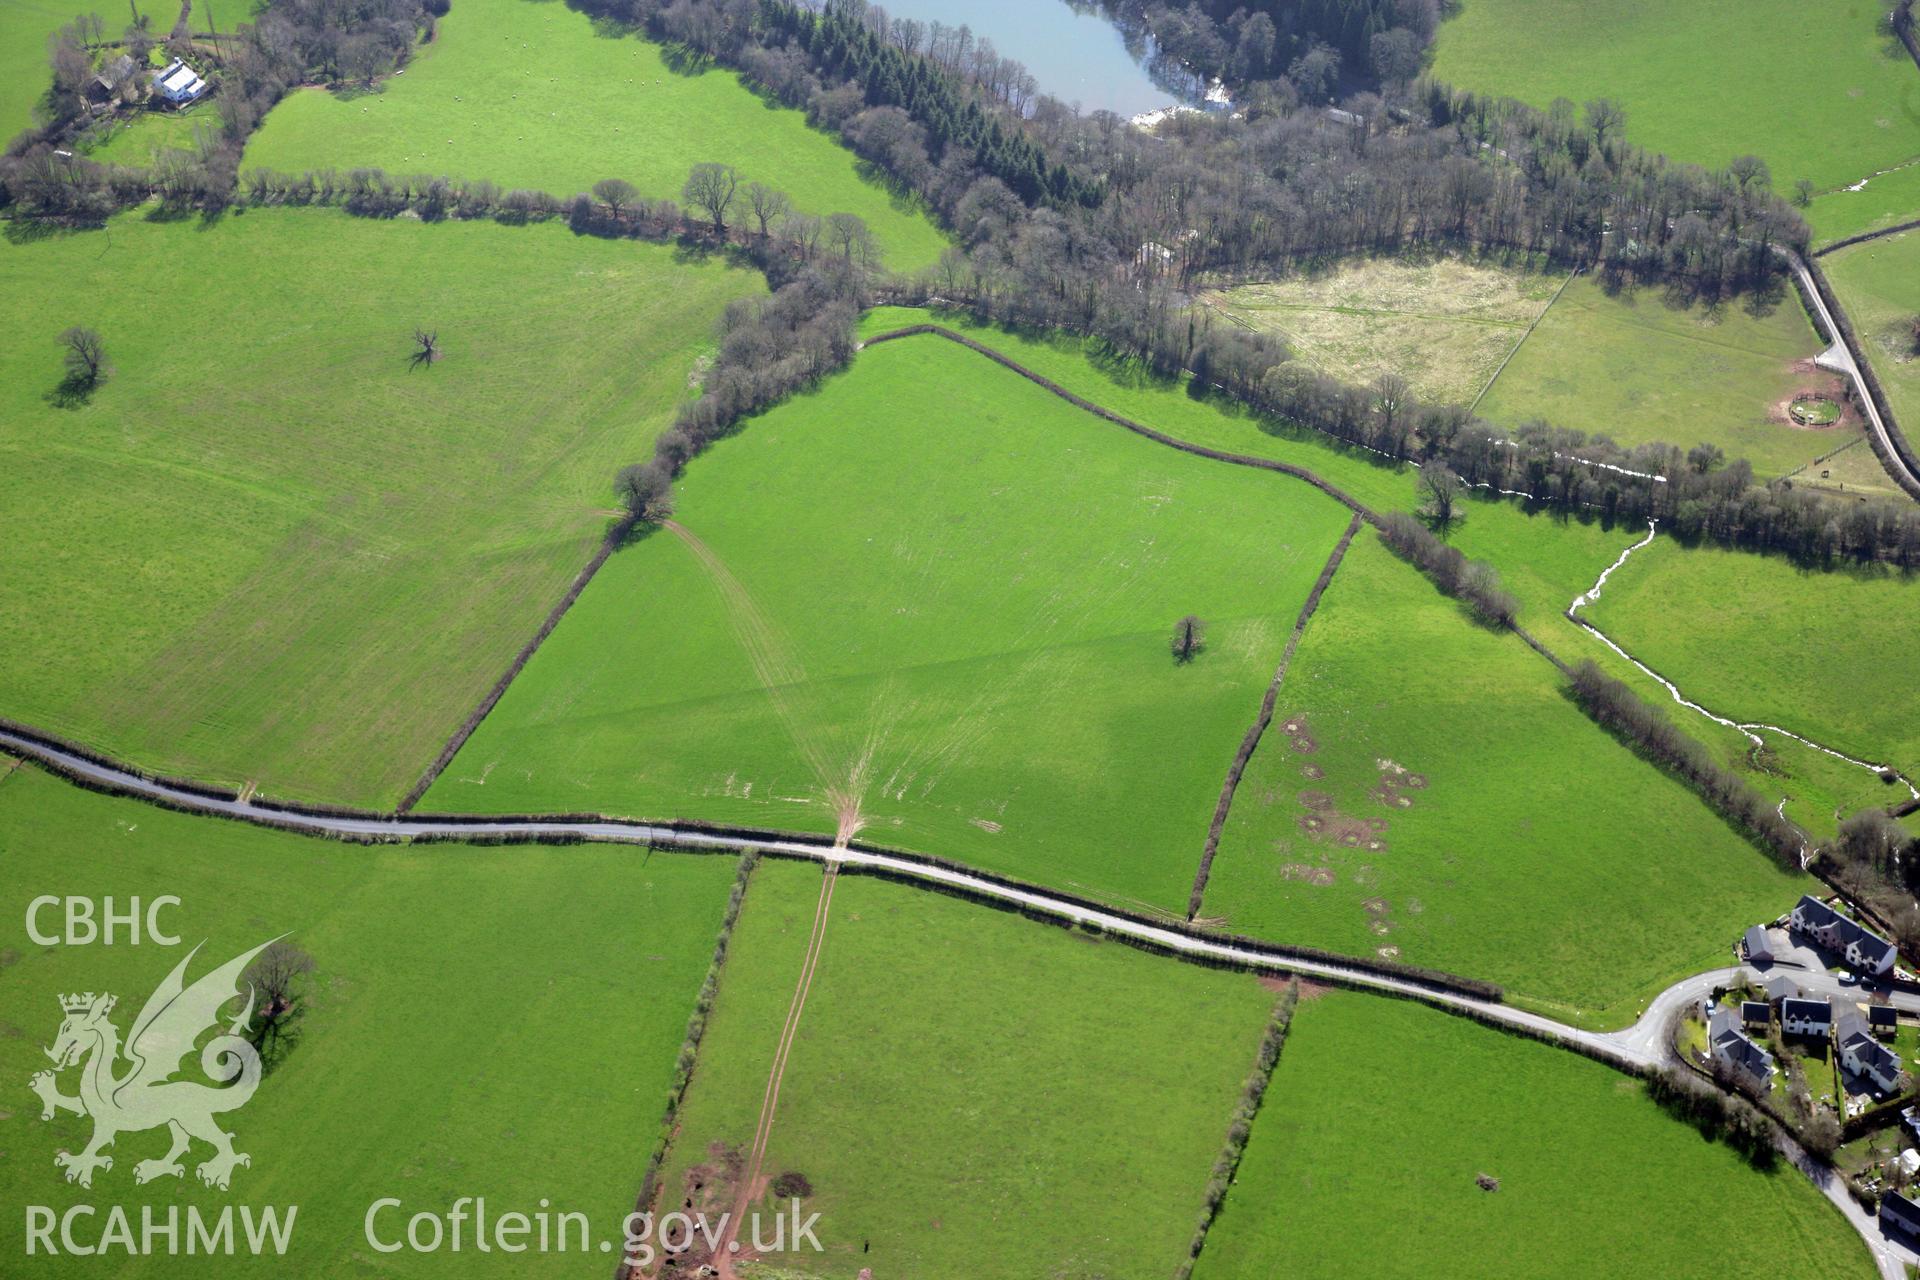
(1440, 801)
(1827, 655)
(266, 550)
(936, 594)
(1355, 1170)
(482, 1021)
(469, 107)
(26, 26)
(970, 1094)
(135, 138)
(1879, 285)
(1444, 324)
(1815, 91)
(1886, 200)
(1635, 368)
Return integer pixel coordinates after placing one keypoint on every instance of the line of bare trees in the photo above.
(1646, 728)
(1474, 581)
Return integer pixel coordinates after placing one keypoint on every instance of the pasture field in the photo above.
(1428, 793)
(1825, 654)
(26, 26)
(1445, 324)
(505, 1020)
(959, 1071)
(1633, 367)
(1545, 561)
(1815, 91)
(1594, 1178)
(1879, 284)
(1887, 200)
(1855, 471)
(269, 550)
(470, 107)
(931, 602)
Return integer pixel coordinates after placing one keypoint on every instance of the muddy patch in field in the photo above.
(1309, 990)
(1299, 737)
(1312, 772)
(1307, 874)
(1379, 915)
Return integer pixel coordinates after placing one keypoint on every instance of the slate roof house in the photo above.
(1864, 949)
(1810, 1018)
(1755, 944)
(110, 78)
(1782, 988)
(1899, 1215)
(1730, 1046)
(179, 83)
(1755, 1013)
(1883, 1020)
(1861, 1054)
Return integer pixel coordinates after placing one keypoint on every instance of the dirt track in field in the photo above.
(727, 1252)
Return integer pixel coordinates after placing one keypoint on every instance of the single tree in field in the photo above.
(1440, 494)
(1803, 192)
(645, 490)
(1189, 637)
(426, 348)
(768, 204)
(616, 194)
(85, 356)
(1605, 117)
(710, 188)
(276, 976)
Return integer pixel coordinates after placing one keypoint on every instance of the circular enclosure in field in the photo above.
(1815, 410)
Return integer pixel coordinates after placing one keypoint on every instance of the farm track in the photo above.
(745, 1194)
(1635, 1050)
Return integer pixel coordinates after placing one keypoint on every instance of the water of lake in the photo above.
(1075, 54)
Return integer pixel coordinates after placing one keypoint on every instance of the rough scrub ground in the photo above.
(1444, 324)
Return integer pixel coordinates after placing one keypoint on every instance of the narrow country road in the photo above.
(1634, 1049)
(1839, 358)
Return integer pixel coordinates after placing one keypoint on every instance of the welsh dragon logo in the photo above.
(144, 1094)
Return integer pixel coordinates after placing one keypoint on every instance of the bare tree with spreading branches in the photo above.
(85, 356)
(710, 187)
(616, 194)
(426, 348)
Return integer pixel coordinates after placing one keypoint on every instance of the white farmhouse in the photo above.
(179, 83)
